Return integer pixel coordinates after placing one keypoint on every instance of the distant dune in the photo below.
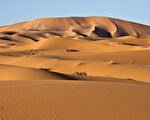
(75, 68)
(93, 27)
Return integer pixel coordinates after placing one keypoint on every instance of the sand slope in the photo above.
(73, 100)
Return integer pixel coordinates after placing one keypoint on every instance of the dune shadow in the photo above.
(29, 37)
(102, 33)
(7, 38)
(9, 32)
(55, 33)
(130, 44)
(79, 33)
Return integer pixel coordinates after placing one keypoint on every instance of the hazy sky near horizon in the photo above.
(13, 11)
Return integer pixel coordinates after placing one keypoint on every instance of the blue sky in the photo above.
(13, 11)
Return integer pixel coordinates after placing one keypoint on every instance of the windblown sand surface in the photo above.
(38, 59)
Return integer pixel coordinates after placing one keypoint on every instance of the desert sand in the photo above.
(39, 59)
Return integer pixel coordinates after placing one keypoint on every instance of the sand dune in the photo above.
(39, 61)
(87, 27)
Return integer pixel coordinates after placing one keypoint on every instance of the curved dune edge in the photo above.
(9, 72)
